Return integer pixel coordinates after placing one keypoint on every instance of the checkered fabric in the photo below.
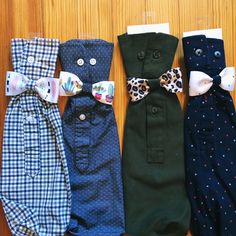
(35, 188)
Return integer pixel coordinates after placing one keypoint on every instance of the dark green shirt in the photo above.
(153, 160)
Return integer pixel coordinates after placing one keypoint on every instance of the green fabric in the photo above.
(153, 159)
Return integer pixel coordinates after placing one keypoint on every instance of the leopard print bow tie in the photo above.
(138, 88)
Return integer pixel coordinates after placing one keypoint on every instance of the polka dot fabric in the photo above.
(91, 143)
(210, 144)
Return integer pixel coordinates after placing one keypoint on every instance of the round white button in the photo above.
(82, 117)
(92, 61)
(30, 59)
(30, 119)
(80, 62)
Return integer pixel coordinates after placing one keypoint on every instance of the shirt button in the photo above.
(198, 52)
(217, 54)
(30, 119)
(154, 110)
(82, 117)
(80, 62)
(156, 54)
(141, 55)
(92, 61)
(30, 59)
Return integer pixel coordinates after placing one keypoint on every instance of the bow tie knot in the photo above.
(216, 80)
(30, 85)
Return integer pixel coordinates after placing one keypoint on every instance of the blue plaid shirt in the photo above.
(35, 189)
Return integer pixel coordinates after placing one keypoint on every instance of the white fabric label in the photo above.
(209, 33)
(149, 28)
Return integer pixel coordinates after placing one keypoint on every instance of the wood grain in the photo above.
(106, 19)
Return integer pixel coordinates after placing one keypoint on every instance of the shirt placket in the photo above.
(155, 109)
(82, 138)
(83, 110)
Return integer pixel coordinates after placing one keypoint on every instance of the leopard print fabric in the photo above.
(172, 80)
(138, 88)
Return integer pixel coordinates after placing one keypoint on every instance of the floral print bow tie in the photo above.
(47, 88)
(200, 82)
(71, 85)
(138, 88)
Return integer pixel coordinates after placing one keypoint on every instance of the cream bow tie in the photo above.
(200, 82)
(47, 88)
(71, 85)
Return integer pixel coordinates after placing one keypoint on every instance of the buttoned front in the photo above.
(35, 188)
(91, 141)
(210, 131)
(155, 203)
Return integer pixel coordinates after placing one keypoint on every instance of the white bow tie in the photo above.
(47, 88)
(200, 82)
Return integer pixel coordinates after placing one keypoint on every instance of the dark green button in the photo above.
(141, 55)
(154, 110)
(156, 54)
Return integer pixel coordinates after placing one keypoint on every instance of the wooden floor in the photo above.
(105, 19)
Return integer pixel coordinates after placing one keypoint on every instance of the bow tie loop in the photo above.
(200, 82)
(139, 88)
(47, 88)
(71, 85)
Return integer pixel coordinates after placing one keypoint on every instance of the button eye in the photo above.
(141, 55)
(156, 54)
(198, 52)
(217, 54)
